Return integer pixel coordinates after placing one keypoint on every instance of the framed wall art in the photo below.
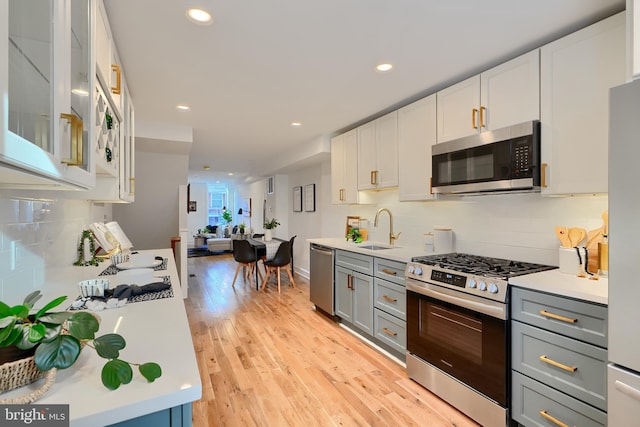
(297, 199)
(192, 206)
(310, 198)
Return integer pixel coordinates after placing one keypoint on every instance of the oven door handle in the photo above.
(498, 311)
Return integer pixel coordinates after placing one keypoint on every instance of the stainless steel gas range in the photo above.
(457, 330)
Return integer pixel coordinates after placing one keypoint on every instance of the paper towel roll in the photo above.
(442, 239)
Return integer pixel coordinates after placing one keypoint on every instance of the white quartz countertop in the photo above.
(155, 331)
(396, 253)
(555, 282)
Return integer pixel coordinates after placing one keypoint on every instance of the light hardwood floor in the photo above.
(271, 360)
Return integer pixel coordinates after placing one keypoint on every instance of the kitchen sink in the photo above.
(376, 247)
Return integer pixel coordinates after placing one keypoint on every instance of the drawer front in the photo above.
(356, 262)
(390, 330)
(390, 297)
(571, 366)
(576, 319)
(392, 271)
(530, 399)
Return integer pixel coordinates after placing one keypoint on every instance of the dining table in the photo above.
(267, 249)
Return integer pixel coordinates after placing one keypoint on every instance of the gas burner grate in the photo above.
(481, 265)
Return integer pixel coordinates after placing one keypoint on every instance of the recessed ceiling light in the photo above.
(384, 67)
(199, 16)
(230, 174)
(183, 107)
(206, 167)
(296, 124)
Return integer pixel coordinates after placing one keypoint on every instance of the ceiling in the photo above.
(264, 64)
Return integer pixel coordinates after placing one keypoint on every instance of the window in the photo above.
(217, 200)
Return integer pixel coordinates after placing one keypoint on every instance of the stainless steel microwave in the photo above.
(501, 160)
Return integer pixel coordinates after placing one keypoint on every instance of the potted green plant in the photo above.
(241, 227)
(57, 337)
(269, 225)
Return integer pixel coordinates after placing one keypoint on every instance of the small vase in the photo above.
(268, 235)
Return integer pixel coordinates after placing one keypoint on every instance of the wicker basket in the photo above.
(20, 373)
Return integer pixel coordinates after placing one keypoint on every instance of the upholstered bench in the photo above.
(217, 244)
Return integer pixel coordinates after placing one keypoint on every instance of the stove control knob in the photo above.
(493, 288)
(411, 269)
(418, 271)
(472, 283)
(482, 286)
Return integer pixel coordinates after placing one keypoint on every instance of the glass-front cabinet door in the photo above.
(45, 75)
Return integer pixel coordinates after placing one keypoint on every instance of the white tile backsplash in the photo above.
(34, 235)
(512, 226)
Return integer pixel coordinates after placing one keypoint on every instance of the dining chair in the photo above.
(245, 256)
(282, 260)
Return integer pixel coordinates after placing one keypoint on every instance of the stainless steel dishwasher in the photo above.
(321, 278)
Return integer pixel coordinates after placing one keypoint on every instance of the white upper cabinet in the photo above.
(633, 19)
(577, 72)
(108, 67)
(378, 153)
(416, 136)
(344, 168)
(46, 81)
(502, 96)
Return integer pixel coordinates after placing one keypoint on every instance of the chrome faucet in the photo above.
(392, 237)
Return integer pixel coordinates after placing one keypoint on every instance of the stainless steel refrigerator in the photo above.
(623, 372)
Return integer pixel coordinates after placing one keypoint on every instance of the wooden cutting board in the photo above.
(593, 238)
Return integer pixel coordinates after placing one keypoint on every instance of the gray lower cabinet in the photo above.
(178, 416)
(390, 303)
(558, 360)
(354, 290)
(371, 297)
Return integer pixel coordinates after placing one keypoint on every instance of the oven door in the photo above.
(451, 331)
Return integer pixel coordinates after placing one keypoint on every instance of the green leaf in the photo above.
(7, 325)
(83, 325)
(56, 302)
(150, 371)
(59, 353)
(53, 331)
(14, 335)
(116, 372)
(109, 345)
(36, 332)
(56, 318)
(22, 342)
(5, 310)
(20, 311)
(31, 299)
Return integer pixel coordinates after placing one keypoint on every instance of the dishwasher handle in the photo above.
(322, 250)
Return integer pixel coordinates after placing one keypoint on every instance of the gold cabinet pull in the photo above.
(374, 177)
(553, 419)
(389, 332)
(474, 113)
(118, 87)
(545, 313)
(543, 175)
(76, 140)
(388, 298)
(391, 272)
(341, 196)
(132, 180)
(349, 281)
(567, 368)
(482, 123)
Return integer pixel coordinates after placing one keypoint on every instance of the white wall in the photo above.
(198, 219)
(46, 233)
(152, 220)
